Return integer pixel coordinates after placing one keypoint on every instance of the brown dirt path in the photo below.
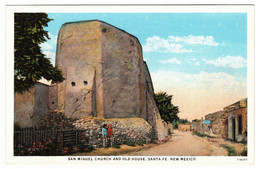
(183, 144)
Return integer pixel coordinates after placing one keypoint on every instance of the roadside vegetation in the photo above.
(202, 135)
(231, 150)
(244, 152)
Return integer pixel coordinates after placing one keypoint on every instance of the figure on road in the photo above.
(104, 135)
(110, 135)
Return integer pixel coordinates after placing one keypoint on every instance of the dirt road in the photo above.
(183, 144)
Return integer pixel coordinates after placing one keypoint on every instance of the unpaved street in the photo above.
(183, 144)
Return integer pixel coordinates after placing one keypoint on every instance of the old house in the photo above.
(218, 122)
(197, 126)
(237, 121)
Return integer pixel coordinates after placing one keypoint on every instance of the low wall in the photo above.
(125, 129)
(184, 127)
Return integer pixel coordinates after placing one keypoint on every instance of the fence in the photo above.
(28, 135)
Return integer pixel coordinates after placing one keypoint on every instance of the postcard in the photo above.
(122, 84)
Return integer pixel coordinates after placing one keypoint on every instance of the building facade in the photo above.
(237, 121)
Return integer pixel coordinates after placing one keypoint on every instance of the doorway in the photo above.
(234, 129)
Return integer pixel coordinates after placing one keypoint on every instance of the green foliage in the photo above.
(244, 152)
(116, 145)
(202, 135)
(231, 150)
(130, 143)
(139, 143)
(167, 110)
(175, 123)
(30, 64)
(184, 121)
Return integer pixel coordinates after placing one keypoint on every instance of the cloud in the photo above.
(194, 40)
(172, 60)
(197, 63)
(175, 44)
(48, 47)
(50, 55)
(157, 44)
(234, 62)
(50, 44)
(200, 93)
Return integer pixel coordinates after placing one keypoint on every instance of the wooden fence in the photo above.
(28, 135)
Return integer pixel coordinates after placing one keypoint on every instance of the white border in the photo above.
(249, 9)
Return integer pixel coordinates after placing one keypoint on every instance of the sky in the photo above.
(199, 58)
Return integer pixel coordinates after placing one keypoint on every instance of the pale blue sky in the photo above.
(201, 51)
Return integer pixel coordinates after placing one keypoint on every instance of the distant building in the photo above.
(229, 123)
(184, 127)
(237, 121)
(218, 124)
(197, 126)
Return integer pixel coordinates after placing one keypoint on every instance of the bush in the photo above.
(130, 143)
(244, 152)
(140, 143)
(48, 148)
(116, 145)
(231, 150)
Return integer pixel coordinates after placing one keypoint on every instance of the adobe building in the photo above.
(218, 123)
(106, 81)
(237, 121)
(229, 123)
(184, 127)
(197, 126)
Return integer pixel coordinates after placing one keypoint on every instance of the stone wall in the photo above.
(24, 107)
(197, 126)
(31, 106)
(218, 122)
(125, 129)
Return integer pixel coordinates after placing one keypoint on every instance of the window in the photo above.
(240, 124)
(85, 82)
(104, 30)
(73, 84)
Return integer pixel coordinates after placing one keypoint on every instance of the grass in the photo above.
(231, 150)
(244, 152)
(202, 135)
(116, 145)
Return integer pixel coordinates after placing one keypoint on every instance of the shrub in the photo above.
(231, 150)
(244, 152)
(116, 146)
(130, 143)
(48, 148)
(140, 143)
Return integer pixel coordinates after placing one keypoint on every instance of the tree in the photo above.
(30, 64)
(184, 121)
(167, 110)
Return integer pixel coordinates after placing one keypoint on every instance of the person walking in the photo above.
(104, 135)
(110, 135)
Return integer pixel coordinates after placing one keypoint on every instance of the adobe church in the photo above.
(105, 79)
